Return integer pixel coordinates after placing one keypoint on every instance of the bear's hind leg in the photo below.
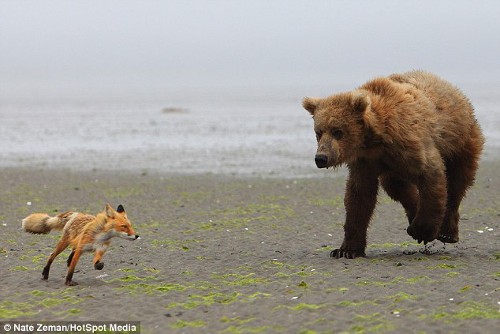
(460, 174)
(432, 192)
(402, 191)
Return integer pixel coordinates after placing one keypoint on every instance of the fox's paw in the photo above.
(98, 265)
(45, 273)
(347, 253)
(70, 283)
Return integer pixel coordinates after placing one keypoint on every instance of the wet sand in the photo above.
(247, 254)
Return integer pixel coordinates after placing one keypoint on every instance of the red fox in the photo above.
(85, 233)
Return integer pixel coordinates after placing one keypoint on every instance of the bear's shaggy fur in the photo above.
(415, 135)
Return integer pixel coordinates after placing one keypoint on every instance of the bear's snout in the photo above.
(321, 160)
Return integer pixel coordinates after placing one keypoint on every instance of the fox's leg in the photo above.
(99, 253)
(76, 256)
(98, 265)
(70, 257)
(61, 245)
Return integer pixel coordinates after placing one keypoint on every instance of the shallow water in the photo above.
(266, 135)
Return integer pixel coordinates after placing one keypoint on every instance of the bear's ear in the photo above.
(310, 104)
(360, 102)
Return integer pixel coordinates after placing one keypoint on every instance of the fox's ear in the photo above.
(120, 209)
(310, 104)
(109, 211)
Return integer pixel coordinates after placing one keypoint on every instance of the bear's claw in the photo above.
(348, 254)
(447, 239)
(420, 234)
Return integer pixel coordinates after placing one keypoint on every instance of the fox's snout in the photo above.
(128, 236)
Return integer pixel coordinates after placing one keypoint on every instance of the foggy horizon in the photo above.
(53, 49)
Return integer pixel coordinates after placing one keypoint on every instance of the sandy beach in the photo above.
(237, 254)
(190, 115)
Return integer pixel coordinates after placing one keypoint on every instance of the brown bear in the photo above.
(416, 135)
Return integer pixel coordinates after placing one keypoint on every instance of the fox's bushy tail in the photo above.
(42, 223)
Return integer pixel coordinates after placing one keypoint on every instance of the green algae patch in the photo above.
(21, 268)
(174, 244)
(348, 303)
(240, 280)
(10, 310)
(372, 323)
(153, 288)
(195, 301)
(55, 301)
(464, 311)
(465, 288)
(386, 245)
(210, 299)
(37, 300)
(400, 297)
(39, 258)
(247, 215)
(68, 313)
(131, 278)
(397, 280)
(443, 266)
(452, 274)
(38, 293)
(253, 329)
(303, 284)
(305, 306)
(50, 302)
(383, 327)
(236, 320)
(188, 324)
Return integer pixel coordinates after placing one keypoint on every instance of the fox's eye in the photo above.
(337, 134)
(318, 135)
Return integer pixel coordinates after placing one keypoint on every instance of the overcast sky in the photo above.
(148, 47)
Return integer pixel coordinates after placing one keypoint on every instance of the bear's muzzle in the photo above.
(321, 160)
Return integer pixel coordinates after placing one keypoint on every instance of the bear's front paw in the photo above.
(421, 233)
(98, 265)
(348, 254)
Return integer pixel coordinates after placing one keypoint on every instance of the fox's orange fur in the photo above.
(85, 233)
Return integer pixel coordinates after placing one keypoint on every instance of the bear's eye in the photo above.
(337, 134)
(318, 135)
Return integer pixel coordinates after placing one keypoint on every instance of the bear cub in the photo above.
(416, 135)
